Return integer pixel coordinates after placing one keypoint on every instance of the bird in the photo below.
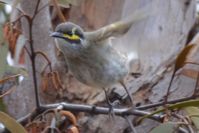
(91, 56)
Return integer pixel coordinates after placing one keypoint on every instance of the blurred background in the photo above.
(154, 43)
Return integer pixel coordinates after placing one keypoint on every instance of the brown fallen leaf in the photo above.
(70, 116)
(191, 73)
(182, 57)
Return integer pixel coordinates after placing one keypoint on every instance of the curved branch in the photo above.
(45, 56)
(59, 12)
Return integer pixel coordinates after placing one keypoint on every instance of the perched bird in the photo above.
(91, 57)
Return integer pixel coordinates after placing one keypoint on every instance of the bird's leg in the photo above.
(111, 112)
(127, 91)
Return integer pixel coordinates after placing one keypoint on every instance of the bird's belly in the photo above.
(98, 74)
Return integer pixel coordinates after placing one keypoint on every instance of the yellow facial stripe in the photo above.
(72, 37)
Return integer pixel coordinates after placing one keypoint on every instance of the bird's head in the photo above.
(68, 31)
(70, 37)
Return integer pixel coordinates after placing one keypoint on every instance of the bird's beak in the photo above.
(56, 34)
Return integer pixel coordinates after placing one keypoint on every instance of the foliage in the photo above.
(11, 124)
(193, 114)
(165, 128)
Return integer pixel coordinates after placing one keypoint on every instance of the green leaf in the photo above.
(3, 106)
(4, 67)
(180, 105)
(13, 3)
(193, 113)
(9, 2)
(11, 124)
(164, 128)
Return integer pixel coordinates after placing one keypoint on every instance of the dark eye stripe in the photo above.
(79, 34)
(69, 33)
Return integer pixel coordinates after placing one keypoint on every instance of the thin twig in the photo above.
(130, 124)
(30, 22)
(60, 14)
(185, 121)
(8, 92)
(194, 63)
(144, 107)
(9, 77)
(34, 68)
(44, 55)
(22, 15)
(127, 91)
(28, 52)
(168, 89)
(44, 6)
(36, 9)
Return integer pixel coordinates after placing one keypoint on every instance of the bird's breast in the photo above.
(98, 66)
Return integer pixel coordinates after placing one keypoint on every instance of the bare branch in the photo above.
(8, 92)
(36, 9)
(89, 109)
(148, 106)
(130, 124)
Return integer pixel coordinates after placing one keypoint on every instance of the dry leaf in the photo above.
(9, 78)
(191, 73)
(36, 126)
(16, 42)
(11, 34)
(58, 80)
(44, 83)
(73, 129)
(51, 82)
(70, 116)
(180, 61)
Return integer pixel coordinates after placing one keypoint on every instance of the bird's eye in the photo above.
(69, 33)
(79, 34)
